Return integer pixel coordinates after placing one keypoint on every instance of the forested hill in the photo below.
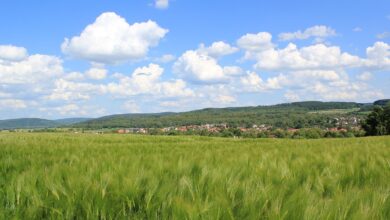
(298, 114)
(27, 123)
(31, 123)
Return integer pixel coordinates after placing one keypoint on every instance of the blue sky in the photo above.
(93, 58)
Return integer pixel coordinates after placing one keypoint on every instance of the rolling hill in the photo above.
(281, 115)
(29, 123)
(294, 115)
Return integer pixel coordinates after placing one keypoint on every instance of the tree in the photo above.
(386, 116)
(378, 121)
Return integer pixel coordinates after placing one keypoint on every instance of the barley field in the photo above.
(86, 176)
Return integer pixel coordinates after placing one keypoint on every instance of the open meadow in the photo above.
(86, 176)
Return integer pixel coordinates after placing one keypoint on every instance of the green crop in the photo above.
(80, 176)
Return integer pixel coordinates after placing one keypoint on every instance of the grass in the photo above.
(80, 176)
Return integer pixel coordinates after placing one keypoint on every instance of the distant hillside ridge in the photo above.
(27, 123)
(382, 102)
(31, 123)
(285, 115)
(294, 114)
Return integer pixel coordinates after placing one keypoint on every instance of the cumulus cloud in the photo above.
(166, 58)
(232, 70)
(217, 49)
(310, 57)
(311, 84)
(73, 109)
(199, 67)
(73, 91)
(110, 39)
(161, 4)
(147, 80)
(316, 56)
(378, 56)
(74, 76)
(256, 42)
(29, 69)
(12, 53)
(252, 82)
(96, 73)
(343, 90)
(144, 78)
(318, 31)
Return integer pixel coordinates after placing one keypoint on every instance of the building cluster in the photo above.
(133, 131)
(340, 124)
(346, 121)
(212, 128)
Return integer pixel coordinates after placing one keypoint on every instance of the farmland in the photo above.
(86, 176)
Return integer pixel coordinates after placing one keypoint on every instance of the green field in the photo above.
(80, 176)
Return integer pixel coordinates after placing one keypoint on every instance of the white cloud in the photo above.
(357, 29)
(161, 4)
(315, 85)
(198, 67)
(303, 78)
(144, 79)
(310, 57)
(256, 42)
(318, 31)
(378, 56)
(316, 56)
(232, 70)
(12, 53)
(343, 91)
(252, 82)
(70, 91)
(73, 109)
(96, 73)
(216, 95)
(110, 39)
(147, 80)
(31, 69)
(166, 58)
(217, 49)
(175, 88)
(201, 65)
(12, 104)
(74, 76)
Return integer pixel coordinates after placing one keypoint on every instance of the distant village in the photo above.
(336, 127)
(340, 125)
